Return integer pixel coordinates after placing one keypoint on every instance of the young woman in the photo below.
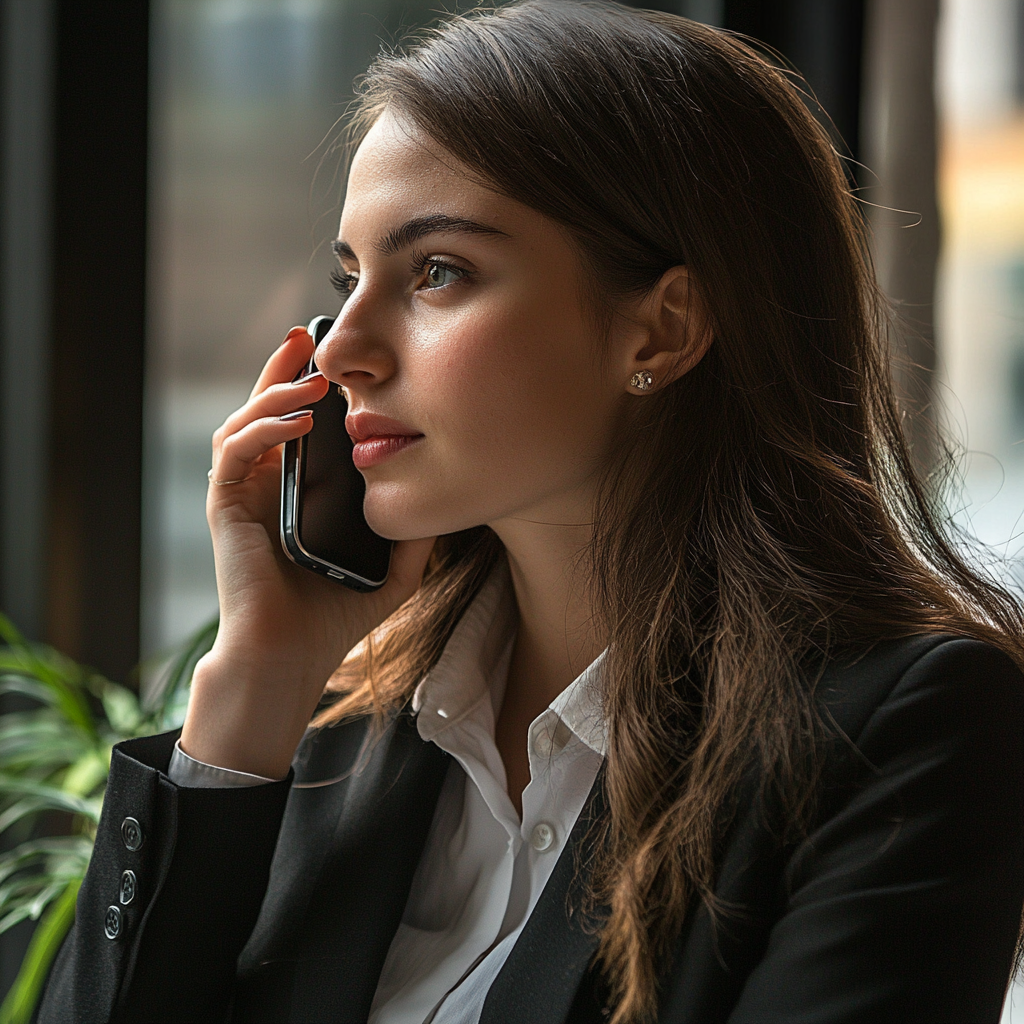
(678, 704)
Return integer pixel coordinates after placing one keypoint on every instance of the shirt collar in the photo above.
(579, 705)
(475, 660)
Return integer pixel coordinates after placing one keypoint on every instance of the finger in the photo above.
(240, 452)
(291, 355)
(276, 400)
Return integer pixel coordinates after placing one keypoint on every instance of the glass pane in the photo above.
(981, 289)
(980, 298)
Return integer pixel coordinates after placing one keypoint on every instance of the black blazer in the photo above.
(279, 903)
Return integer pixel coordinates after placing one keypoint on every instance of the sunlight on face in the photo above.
(463, 323)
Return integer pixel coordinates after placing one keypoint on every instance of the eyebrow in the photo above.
(398, 238)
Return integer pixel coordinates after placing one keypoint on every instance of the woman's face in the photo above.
(464, 330)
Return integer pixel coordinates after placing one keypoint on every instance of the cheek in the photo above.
(514, 409)
(506, 382)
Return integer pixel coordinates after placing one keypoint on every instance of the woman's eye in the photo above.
(440, 274)
(344, 283)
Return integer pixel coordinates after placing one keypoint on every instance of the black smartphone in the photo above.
(322, 522)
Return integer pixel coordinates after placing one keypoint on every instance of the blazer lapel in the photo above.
(356, 821)
(540, 978)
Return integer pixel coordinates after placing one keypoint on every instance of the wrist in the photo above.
(246, 720)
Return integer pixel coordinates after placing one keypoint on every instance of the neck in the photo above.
(556, 637)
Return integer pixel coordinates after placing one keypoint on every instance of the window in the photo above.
(244, 195)
(980, 295)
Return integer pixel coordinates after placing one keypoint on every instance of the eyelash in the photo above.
(345, 283)
(420, 261)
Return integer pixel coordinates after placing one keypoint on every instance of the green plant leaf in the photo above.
(60, 693)
(16, 916)
(42, 736)
(59, 674)
(32, 901)
(38, 719)
(21, 1000)
(56, 757)
(122, 709)
(27, 686)
(26, 895)
(25, 898)
(9, 632)
(86, 773)
(166, 702)
(37, 796)
(49, 857)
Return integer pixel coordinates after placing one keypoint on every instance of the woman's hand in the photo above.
(283, 630)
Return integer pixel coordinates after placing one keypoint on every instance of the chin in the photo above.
(401, 513)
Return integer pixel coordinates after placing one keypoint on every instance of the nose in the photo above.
(355, 352)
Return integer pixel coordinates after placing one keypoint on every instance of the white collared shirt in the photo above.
(482, 869)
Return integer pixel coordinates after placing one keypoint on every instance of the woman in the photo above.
(690, 712)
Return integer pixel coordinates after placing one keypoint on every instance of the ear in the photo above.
(674, 332)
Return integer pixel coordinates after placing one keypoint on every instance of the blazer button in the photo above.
(131, 833)
(128, 885)
(112, 922)
(542, 837)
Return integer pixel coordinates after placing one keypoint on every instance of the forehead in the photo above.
(399, 173)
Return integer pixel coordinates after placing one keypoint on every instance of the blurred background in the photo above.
(169, 186)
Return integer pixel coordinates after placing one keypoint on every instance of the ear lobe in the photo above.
(680, 330)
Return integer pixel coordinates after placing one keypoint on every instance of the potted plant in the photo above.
(56, 734)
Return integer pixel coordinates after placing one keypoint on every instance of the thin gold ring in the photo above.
(226, 483)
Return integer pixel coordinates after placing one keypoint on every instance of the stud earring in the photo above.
(642, 380)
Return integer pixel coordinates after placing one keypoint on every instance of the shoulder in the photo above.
(936, 674)
(928, 725)
(902, 899)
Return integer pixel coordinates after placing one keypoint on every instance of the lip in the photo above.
(376, 438)
(361, 426)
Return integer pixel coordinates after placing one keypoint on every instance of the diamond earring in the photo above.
(642, 380)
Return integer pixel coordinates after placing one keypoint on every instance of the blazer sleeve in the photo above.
(904, 904)
(172, 893)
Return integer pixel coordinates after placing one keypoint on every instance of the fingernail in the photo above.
(295, 330)
(298, 415)
(313, 376)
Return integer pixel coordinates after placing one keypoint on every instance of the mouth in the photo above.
(376, 438)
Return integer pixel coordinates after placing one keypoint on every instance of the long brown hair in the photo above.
(762, 512)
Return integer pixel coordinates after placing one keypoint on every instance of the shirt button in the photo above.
(131, 833)
(542, 837)
(112, 922)
(128, 884)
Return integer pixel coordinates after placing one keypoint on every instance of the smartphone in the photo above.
(322, 522)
